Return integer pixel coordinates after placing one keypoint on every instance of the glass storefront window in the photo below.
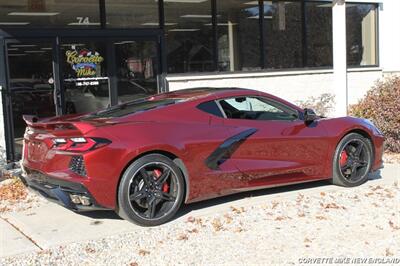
(85, 78)
(283, 34)
(188, 30)
(132, 14)
(318, 18)
(361, 34)
(238, 35)
(50, 14)
(137, 64)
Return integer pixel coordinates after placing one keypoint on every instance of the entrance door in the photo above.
(30, 83)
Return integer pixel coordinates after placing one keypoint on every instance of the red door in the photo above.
(282, 150)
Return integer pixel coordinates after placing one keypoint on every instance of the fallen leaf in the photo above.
(332, 206)
(274, 204)
(228, 218)
(393, 226)
(90, 250)
(199, 222)
(280, 218)
(238, 230)
(238, 210)
(143, 252)
(182, 237)
(376, 188)
(388, 253)
(216, 223)
(299, 198)
(193, 231)
(190, 219)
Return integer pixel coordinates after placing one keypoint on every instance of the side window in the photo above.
(211, 108)
(254, 108)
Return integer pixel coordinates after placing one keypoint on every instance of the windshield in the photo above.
(132, 107)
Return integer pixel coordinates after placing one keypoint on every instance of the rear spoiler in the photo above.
(55, 124)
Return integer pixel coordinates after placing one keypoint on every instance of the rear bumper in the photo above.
(59, 191)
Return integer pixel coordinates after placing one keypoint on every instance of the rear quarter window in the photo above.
(211, 108)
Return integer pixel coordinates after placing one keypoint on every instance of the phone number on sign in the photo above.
(87, 83)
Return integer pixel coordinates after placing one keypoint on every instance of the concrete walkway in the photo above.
(51, 225)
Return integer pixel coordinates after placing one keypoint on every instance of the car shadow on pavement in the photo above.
(230, 198)
(261, 192)
(248, 194)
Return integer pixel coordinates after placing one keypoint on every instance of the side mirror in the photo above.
(310, 116)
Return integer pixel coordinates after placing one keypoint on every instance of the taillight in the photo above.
(79, 144)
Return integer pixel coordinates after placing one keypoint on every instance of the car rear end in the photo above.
(77, 160)
(54, 163)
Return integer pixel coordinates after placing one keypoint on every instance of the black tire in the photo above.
(359, 154)
(142, 198)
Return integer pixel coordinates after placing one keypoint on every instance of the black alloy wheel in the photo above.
(151, 191)
(352, 161)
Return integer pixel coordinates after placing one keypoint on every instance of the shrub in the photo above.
(381, 105)
(322, 104)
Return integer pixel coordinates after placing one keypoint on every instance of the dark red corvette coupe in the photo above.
(146, 158)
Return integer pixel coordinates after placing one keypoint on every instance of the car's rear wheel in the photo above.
(151, 191)
(352, 161)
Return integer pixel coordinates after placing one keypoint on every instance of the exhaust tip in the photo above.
(85, 201)
(75, 199)
(80, 200)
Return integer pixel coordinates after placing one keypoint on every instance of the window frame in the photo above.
(377, 37)
(263, 99)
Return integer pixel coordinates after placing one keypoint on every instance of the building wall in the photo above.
(293, 86)
(359, 82)
(389, 39)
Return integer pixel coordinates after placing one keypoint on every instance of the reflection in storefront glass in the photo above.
(31, 84)
(136, 63)
(86, 84)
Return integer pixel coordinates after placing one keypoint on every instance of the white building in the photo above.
(57, 60)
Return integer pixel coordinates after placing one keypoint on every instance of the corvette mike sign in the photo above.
(84, 62)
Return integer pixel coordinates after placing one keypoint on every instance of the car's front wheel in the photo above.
(352, 161)
(151, 191)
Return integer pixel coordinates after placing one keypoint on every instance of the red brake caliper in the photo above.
(343, 158)
(165, 187)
